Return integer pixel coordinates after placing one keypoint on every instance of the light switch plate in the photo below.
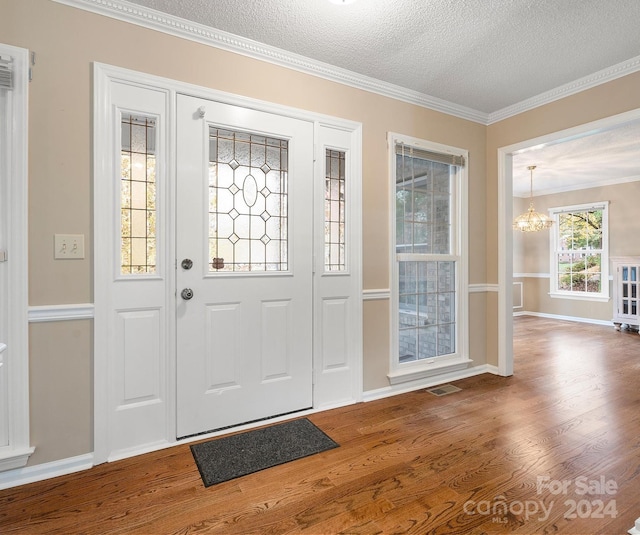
(68, 246)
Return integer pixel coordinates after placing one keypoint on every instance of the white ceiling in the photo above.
(606, 157)
(483, 55)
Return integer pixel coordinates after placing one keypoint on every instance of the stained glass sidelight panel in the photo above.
(334, 211)
(138, 195)
(248, 177)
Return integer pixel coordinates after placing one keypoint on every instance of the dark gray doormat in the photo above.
(226, 458)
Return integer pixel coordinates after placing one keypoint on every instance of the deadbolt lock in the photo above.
(187, 263)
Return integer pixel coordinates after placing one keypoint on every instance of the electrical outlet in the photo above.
(68, 246)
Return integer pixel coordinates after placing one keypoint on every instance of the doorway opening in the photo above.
(505, 218)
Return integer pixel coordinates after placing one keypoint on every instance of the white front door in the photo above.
(244, 265)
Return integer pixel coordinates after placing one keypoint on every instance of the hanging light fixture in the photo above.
(532, 221)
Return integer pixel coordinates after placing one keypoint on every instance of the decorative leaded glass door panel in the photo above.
(244, 273)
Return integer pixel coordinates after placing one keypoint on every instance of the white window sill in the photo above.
(580, 297)
(11, 459)
(428, 369)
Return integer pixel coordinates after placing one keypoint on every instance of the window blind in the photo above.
(5, 73)
(439, 157)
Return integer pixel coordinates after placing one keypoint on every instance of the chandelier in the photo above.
(532, 221)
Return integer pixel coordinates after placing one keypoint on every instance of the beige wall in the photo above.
(531, 251)
(67, 41)
(537, 299)
(60, 379)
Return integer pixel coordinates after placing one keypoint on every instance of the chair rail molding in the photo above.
(47, 313)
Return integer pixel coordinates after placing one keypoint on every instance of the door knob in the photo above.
(186, 294)
(187, 263)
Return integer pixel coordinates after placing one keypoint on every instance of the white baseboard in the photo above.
(426, 382)
(40, 472)
(564, 318)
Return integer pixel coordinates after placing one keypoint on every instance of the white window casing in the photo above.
(418, 258)
(15, 446)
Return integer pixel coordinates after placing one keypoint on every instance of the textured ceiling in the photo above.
(602, 158)
(484, 55)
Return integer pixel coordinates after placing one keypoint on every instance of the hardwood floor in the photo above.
(471, 462)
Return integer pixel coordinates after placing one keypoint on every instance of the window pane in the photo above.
(334, 211)
(247, 202)
(423, 205)
(427, 309)
(578, 254)
(138, 195)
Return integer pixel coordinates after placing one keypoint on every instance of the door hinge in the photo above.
(3, 255)
(32, 64)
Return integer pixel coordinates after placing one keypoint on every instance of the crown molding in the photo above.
(178, 27)
(150, 18)
(593, 184)
(587, 82)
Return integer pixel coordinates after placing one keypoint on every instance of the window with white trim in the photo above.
(428, 269)
(580, 251)
(15, 446)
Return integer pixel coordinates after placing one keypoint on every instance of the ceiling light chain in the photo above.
(532, 221)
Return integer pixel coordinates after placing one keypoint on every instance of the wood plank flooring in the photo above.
(471, 462)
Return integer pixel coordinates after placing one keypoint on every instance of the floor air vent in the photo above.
(443, 390)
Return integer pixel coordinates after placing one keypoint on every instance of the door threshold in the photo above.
(242, 424)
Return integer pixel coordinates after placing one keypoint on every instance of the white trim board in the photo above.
(482, 288)
(373, 295)
(47, 313)
(581, 84)
(156, 20)
(40, 472)
(564, 318)
(579, 187)
(426, 382)
(385, 293)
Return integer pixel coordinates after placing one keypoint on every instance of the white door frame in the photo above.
(105, 168)
(505, 218)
